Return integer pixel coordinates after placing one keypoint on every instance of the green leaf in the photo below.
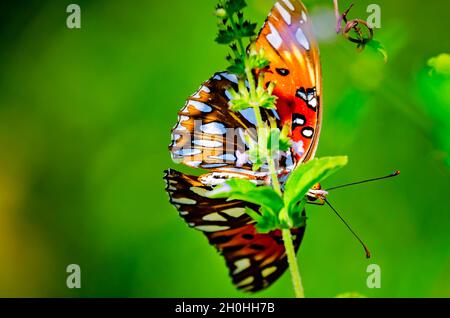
(305, 176)
(377, 46)
(440, 64)
(237, 68)
(297, 217)
(247, 29)
(226, 36)
(257, 59)
(277, 141)
(433, 86)
(285, 140)
(253, 214)
(273, 142)
(245, 190)
(266, 221)
(234, 6)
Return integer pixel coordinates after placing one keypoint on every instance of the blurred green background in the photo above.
(85, 119)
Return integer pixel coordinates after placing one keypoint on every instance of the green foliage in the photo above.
(271, 140)
(254, 60)
(233, 28)
(265, 220)
(257, 60)
(233, 6)
(228, 35)
(241, 99)
(434, 88)
(240, 189)
(440, 65)
(377, 46)
(245, 97)
(278, 141)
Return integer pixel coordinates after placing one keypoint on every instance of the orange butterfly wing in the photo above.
(289, 44)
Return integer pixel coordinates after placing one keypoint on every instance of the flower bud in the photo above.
(221, 13)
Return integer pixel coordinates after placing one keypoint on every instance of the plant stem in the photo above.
(287, 237)
(293, 265)
(274, 176)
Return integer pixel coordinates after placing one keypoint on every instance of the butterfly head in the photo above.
(317, 193)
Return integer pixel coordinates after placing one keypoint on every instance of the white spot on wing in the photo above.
(213, 128)
(175, 137)
(302, 95)
(188, 152)
(298, 148)
(225, 157)
(274, 38)
(201, 106)
(301, 38)
(193, 164)
(289, 162)
(249, 114)
(241, 265)
(242, 158)
(275, 113)
(208, 143)
(210, 180)
(234, 212)
(211, 228)
(184, 201)
(284, 13)
(299, 121)
(214, 165)
(200, 191)
(289, 5)
(231, 171)
(231, 77)
(304, 17)
(214, 217)
(202, 89)
(182, 119)
(228, 95)
(307, 132)
(313, 102)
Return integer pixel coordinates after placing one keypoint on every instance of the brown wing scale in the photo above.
(210, 136)
(254, 260)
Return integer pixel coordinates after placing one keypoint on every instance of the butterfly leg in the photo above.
(315, 201)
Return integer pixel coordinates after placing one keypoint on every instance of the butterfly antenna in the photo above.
(396, 173)
(368, 255)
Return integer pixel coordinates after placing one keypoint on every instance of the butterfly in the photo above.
(202, 139)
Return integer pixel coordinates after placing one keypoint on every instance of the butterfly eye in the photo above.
(283, 71)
